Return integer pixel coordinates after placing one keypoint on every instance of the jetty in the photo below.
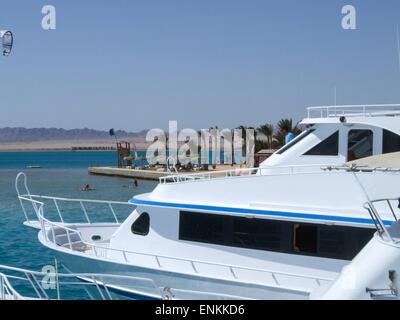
(150, 173)
(144, 174)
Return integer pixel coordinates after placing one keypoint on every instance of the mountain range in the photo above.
(51, 134)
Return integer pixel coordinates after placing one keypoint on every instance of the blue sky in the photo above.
(137, 64)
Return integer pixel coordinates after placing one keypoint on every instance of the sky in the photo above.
(136, 65)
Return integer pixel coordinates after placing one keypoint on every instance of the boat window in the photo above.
(230, 231)
(141, 226)
(336, 242)
(305, 238)
(256, 233)
(295, 141)
(360, 144)
(332, 242)
(328, 147)
(202, 227)
(391, 142)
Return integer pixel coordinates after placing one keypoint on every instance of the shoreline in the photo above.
(51, 150)
(68, 145)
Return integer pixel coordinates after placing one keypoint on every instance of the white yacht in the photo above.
(303, 225)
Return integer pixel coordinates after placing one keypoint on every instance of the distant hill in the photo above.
(51, 134)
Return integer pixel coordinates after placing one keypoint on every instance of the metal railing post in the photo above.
(113, 212)
(2, 288)
(58, 210)
(85, 212)
(69, 239)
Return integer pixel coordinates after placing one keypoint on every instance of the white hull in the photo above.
(169, 285)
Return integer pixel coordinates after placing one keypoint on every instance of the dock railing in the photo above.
(353, 111)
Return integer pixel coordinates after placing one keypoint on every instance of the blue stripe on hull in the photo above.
(257, 212)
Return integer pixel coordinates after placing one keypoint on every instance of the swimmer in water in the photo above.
(86, 187)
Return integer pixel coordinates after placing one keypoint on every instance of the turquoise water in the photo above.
(63, 160)
(62, 175)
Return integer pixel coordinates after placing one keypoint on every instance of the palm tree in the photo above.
(286, 124)
(268, 131)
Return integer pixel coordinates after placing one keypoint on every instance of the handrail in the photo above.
(31, 198)
(96, 280)
(353, 110)
(28, 197)
(77, 199)
(232, 173)
(7, 290)
(376, 218)
(273, 170)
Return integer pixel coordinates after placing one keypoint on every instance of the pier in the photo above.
(128, 173)
(151, 173)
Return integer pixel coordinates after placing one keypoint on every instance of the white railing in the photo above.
(38, 284)
(390, 205)
(356, 168)
(7, 291)
(27, 197)
(273, 170)
(353, 110)
(209, 175)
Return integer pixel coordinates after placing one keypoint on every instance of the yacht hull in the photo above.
(156, 284)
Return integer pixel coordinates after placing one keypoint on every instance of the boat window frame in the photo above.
(295, 141)
(335, 151)
(146, 216)
(387, 134)
(372, 135)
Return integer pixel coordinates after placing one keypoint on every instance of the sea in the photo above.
(61, 174)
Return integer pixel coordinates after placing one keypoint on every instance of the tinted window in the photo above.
(305, 238)
(202, 227)
(360, 144)
(391, 142)
(295, 141)
(271, 235)
(332, 241)
(141, 226)
(231, 231)
(256, 233)
(328, 147)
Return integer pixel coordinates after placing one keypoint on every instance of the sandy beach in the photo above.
(65, 145)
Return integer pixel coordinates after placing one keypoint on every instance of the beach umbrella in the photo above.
(7, 40)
